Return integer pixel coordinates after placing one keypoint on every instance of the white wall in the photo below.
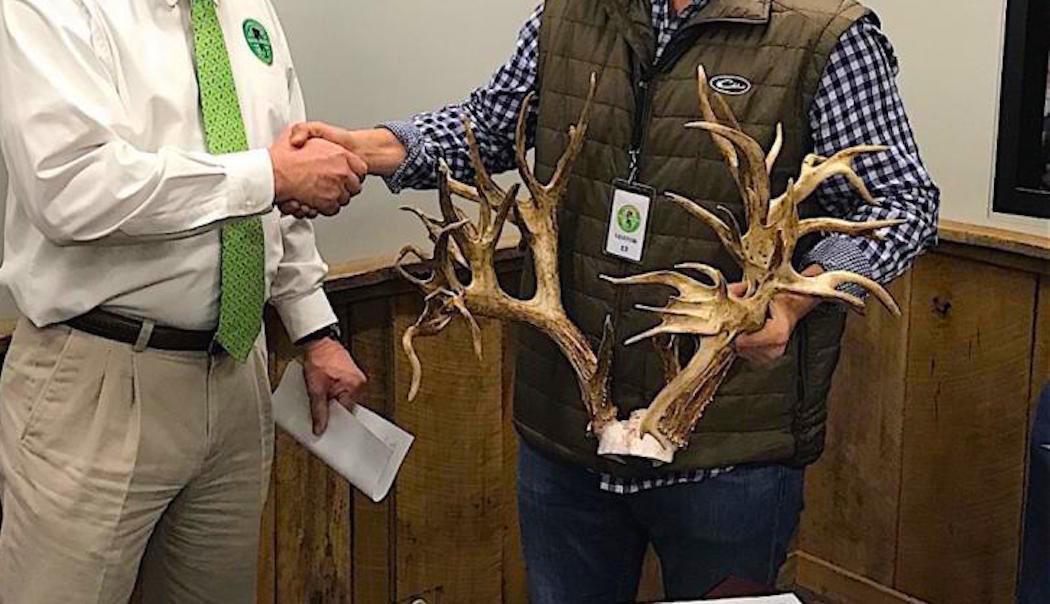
(951, 64)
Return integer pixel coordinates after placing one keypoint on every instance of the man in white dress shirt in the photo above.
(144, 144)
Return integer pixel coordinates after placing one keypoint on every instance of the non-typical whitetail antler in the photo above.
(459, 241)
(705, 309)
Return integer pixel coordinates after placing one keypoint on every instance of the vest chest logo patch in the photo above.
(732, 85)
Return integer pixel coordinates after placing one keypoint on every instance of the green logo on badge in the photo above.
(258, 40)
(629, 218)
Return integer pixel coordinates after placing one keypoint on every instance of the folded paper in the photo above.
(360, 445)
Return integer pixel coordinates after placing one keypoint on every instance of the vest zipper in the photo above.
(678, 46)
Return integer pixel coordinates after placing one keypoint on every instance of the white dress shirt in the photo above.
(113, 201)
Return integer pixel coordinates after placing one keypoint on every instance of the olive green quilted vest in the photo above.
(778, 51)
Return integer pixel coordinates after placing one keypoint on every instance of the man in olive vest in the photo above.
(730, 503)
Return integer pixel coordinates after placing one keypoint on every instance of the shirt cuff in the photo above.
(250, 175)
(305, 315)
(415, 165)
(841, 254)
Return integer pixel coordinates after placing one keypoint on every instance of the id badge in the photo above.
(629, 220)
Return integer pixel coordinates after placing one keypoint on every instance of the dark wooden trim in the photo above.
(384, 281)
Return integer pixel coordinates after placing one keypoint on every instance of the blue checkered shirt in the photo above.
(857, 103)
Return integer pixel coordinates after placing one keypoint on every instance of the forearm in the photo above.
(380, 149)
(864, 67)
(114, 194)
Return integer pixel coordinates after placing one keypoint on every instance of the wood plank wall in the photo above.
(920, 493)
(448, 532)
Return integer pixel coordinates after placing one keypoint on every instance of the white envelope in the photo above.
(361, 446)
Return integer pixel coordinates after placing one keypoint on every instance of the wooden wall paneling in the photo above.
(965, 431)
(372, 343)
(836, 584)
(515, 590)
(449, 521)
(852, 493)
(313, 528)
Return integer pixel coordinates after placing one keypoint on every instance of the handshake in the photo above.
(315, 170)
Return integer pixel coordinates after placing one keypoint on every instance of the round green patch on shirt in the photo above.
(259, 40)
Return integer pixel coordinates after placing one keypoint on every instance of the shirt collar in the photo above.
(174, 3)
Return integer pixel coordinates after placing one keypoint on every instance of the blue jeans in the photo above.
(1034, 585)
(585, 545)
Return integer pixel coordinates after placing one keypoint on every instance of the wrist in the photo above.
(380, 148)
(280, 182)
(322, 338)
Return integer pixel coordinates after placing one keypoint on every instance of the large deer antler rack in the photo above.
(458, 240)
(704, 307)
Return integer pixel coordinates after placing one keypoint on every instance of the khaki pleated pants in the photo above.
(112, 460)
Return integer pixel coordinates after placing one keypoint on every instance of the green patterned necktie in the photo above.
(243, 249)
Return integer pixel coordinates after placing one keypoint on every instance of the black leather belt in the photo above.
(141, 333)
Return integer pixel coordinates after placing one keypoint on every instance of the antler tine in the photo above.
(452, 213)
(815, 172)
(488, 189)
(751, 161)
(577, 137)
(399, 265)
(678, 281)
(670, 356)
(749, 166)
(510, 201)
(858, 229)
(408, 344)
(432, 321)
(718, 281)
(475, 330)
(730, 238)
(774, 151)
(669, 326)
(464, 191)
(433, 225)
(521, 147)
(706, 110)
(826, 286)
